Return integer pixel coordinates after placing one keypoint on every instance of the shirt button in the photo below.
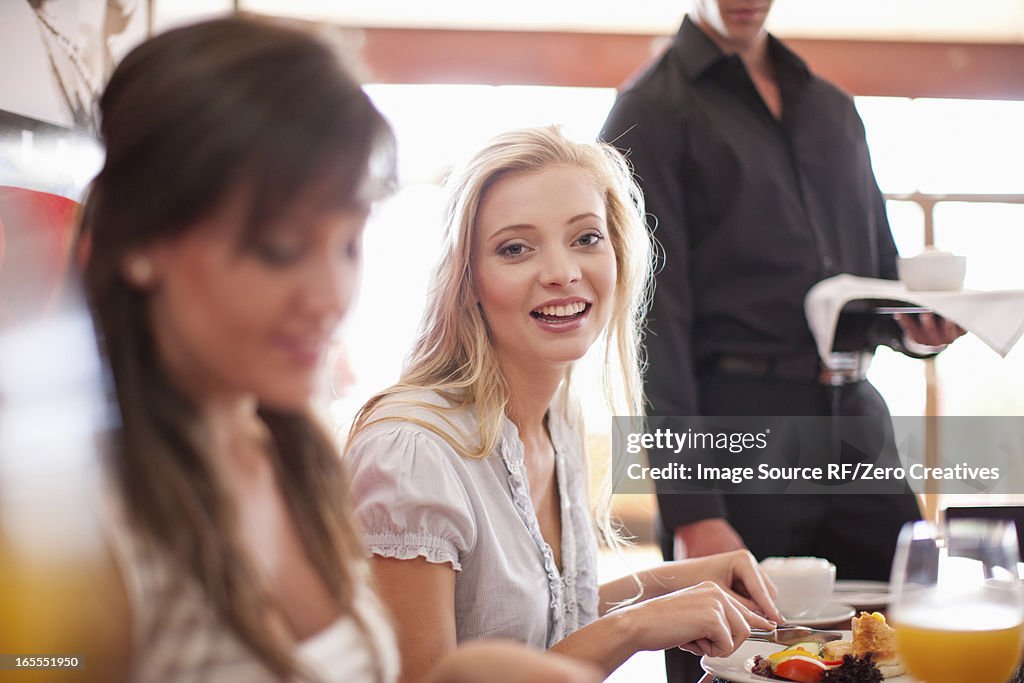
(829, 265)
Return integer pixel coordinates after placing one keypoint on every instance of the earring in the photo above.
(140, 271)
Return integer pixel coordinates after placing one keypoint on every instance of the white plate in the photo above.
(863, 594)
(832, 613)
(736, 668)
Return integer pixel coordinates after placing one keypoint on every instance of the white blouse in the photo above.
(177, 637)
(417, 497)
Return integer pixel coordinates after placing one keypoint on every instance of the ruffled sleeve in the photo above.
(408, 495)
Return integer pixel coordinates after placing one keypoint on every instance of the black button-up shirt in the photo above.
(751, 210)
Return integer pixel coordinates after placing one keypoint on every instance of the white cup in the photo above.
(805, 584)
(933, 270)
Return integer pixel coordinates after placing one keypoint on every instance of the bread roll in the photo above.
(875, 638)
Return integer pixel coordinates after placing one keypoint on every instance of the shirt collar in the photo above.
(698, 52)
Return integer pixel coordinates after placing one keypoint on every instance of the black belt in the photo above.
(842, 368)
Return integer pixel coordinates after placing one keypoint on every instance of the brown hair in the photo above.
(190, 118)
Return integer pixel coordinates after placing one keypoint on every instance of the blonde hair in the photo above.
(453, 354)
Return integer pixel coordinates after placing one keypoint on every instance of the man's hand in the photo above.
(706, 537)
(929, 329)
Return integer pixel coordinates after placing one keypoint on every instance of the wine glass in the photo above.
(958, 604)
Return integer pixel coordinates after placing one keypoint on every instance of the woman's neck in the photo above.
(237, 434)
(530, 394)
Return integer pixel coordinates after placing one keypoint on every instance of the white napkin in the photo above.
(997, 318)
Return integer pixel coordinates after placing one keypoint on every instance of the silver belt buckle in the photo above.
(844, 368)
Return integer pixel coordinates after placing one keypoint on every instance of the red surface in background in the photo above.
(36, 233)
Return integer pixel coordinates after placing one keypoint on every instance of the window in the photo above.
(936, 147)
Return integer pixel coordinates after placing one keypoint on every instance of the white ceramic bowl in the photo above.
(805, 584)
(933, 271)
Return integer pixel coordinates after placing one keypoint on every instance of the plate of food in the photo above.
(862, 594)
(866, 654)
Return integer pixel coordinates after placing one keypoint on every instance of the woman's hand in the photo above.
(737, 572)
(703, 619)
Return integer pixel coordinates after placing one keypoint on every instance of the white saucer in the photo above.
(863, 594)
(832, 613)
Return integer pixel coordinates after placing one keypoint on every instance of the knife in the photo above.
(791, 635)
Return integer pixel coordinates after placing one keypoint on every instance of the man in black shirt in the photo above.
(758, 182)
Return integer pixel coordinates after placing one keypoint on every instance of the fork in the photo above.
(791, 635)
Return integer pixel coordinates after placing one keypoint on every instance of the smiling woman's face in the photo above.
(234, 321)
(543, 266)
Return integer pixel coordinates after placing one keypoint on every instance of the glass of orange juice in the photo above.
(958, 602)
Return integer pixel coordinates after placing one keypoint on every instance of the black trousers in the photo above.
(857, 533)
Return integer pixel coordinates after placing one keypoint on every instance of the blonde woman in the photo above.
(469, 475)
(225, 229)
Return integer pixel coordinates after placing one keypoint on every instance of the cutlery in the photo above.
(791, 635)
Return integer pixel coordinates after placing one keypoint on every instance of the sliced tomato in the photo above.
(801, 669)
